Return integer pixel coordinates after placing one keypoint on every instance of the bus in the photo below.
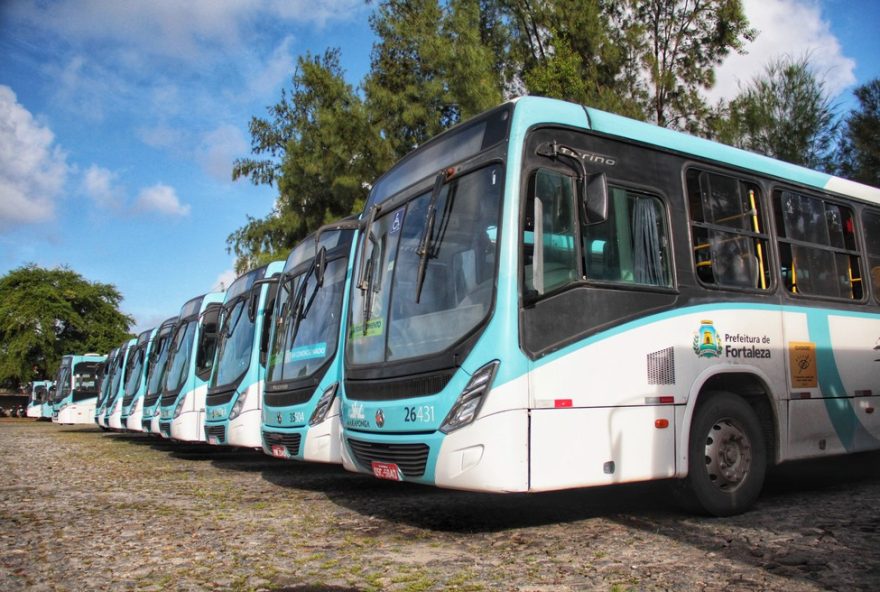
(156, 364)
(106, 379)
(113, 407)
(234, 399)
(136, 385)
(39, 394)
(301, 409)
(182, 406)
(46, 407)
(76, 390)
(549, 296)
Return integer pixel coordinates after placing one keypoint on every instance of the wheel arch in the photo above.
(750, 384)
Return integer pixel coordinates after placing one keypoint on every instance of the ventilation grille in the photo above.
(661, 367)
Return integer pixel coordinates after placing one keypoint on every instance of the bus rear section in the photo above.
(233, 402)
(39, 393)
(301, 407)
(78, 405)
(182, 406)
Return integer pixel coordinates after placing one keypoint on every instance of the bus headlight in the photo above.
(178, 409)
(324, 405)
(239, 405)
(471, 399)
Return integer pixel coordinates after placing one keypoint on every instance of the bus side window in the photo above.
(817, 247)
(729, 233)
(871, 223)
(549, 220)
(631, 246)
(208, 341)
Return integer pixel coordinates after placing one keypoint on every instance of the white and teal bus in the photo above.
(182, 406)
(77, 389)
(105, 378)
(38, 396)
(301, 409)
(156, 365)
(234, 400)
(136, 385)
(549, 296)
(113, 408)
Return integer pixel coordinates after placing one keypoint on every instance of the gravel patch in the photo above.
(81, 509)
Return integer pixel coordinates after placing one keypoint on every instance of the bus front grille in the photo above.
(290, 441)
(217, 432)
(411, 459)
(145, 424)
(165, 428)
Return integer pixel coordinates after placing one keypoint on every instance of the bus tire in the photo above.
(727, 457)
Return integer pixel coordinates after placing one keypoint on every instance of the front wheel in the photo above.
(727, 457)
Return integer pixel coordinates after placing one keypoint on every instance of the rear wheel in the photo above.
(727, 457)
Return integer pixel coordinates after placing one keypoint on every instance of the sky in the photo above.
(120, 121)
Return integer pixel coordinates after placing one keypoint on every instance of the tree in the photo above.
(46, 313)
(684, 41)
(577, 50)
(785, 112)
(430, 68)
(322, 152)
(859, 151)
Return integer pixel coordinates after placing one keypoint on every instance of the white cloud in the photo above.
(786, 27)
(102, 187)
(189, 31)
(33, 169)
(224, 280)
(219, 148)
(278, 68)
(161, 199)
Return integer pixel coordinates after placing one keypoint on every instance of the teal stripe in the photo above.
(852, 434)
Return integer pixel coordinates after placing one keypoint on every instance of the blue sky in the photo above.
(119, 121)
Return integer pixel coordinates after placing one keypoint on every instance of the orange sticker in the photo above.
(802, 364)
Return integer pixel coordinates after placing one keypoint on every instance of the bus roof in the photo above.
(535, 109)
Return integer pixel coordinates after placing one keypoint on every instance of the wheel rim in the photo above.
(728, 455)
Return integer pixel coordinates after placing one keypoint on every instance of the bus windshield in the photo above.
(309, 331)
(236, 342)
(157, 365)
(134, 375)
(85, 380)
(183, 341)
(428, 271)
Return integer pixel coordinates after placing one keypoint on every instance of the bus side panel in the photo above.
(601, 446)
(834, 378)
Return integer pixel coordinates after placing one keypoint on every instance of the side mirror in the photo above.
(594, 198)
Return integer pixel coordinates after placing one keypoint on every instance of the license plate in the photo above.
(213, 440)
(384, 470)
(279, 451)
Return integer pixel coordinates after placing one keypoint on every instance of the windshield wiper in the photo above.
(230, 327)
(426, 244)
(299, 310)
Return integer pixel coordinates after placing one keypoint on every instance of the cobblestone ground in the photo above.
(85, 510)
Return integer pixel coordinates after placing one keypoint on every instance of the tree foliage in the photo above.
(432, 66)
(46, 313)
(320, 150)
(784, 112)
(859, 156)
(683, 42)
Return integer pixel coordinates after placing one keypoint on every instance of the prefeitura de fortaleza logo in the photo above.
(707, 344)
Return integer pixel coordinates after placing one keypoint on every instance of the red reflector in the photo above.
(667, 400)
(562, 403)
(661, 424)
